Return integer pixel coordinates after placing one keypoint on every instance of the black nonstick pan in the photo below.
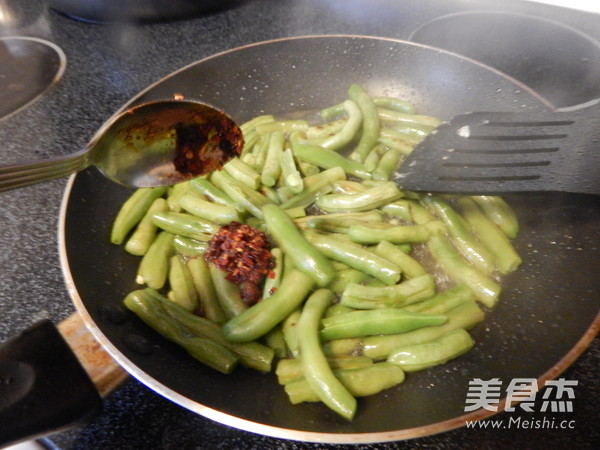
(547, 315)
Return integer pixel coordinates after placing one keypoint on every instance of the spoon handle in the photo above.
(24, 174)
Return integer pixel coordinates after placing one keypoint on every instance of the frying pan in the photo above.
(547, 315)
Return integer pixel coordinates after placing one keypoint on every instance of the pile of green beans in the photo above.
(350, 304)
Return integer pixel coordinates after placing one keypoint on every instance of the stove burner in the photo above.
(561, 63)
(28, 67)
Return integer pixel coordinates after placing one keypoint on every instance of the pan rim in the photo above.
(276, 431)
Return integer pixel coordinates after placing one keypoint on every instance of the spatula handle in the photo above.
(44, 387)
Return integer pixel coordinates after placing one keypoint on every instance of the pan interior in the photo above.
(546, 306)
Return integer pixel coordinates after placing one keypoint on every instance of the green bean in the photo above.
(360, 382)
(242, 172)
(387, 164)
(486, 290)
(344, 277)
(370, 122)
(284, 193)
(506, 258)
(273, 279)
(332, 112)
(444, 301)
(342, 222)
(270, 193)
(205, 187)
(262, 317)
(372, 159)
(250, 140)
(419, 119)
(376, 322)
(439, 351)
(344, 225)
(399, 209)
(347, 187)
(276, 341)
(328, 159)
(132, 211)
(185, 225)
(143, 236)
(291, 369)
(250, 199)
(466, 315)
(282, 125)
(154, 267)
(356, 257)
(228, 293)
(411, 132)
(250, 159)
(371, 183)
(189, 247)
(260, 152)
(210, 307)
(175, 193)
(400, 146)
(400, 234)
(409, 266)
(183, 292)
(314, 185)
(252, 354)
(395, 104)
(419, 213)
(308, 196)
(308, 169)
(404, 139)
(371, 198)
(348, 131)
(400, 133)
(337, 309)
(500, 213)
(302, 253)
(291, 175)
(335, 219)
(205, 350)
(272, 167)
(343, 347)
(290, 331)
(461, 234)
(326, 129)
(296, 212)
(204, 209)
(332, 175)
(373, 282)
(339, 266)
(406, 248)
(257, 223)
(315, 368)
(372, 297)
(250, 125)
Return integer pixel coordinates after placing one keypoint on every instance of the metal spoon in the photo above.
(153, 144)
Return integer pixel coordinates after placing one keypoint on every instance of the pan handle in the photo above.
(105, 373)
(44, 387)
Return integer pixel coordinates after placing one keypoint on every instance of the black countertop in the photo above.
(109, 63)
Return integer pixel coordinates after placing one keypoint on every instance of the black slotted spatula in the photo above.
(500, 152)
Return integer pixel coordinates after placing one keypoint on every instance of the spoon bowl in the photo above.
(157, 143)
